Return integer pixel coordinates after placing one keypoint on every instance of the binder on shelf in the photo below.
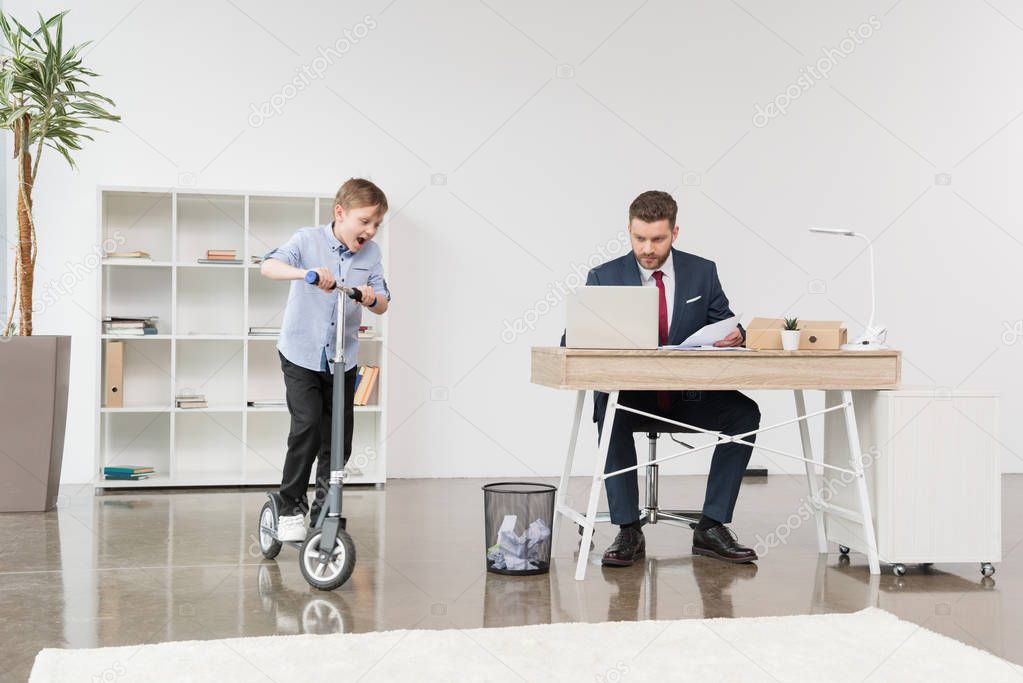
(366, 384)
(115, 374)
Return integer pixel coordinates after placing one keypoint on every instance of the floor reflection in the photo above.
(301, 611)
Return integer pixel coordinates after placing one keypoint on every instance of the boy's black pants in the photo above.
(309, 396)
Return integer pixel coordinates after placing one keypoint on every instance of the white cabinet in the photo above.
(932, 462)
(205, 312)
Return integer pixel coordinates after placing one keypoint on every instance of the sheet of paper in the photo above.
(708, 334)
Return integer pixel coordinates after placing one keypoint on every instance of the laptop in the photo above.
(612, 318)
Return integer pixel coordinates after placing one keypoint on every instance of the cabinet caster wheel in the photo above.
(843, 549)
(899, 570)
(987, 569)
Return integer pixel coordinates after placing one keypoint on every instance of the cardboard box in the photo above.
(819, 335)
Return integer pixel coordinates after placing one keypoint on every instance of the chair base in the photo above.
(684, 518)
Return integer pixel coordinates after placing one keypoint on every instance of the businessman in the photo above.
(690, 297)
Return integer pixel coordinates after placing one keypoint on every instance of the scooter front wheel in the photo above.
(327, 573)
(268, 543)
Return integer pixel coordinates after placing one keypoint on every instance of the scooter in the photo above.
(327, 555)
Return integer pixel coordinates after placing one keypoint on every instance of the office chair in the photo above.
(651, 513)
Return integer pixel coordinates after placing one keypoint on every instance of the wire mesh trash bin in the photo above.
(519, 516)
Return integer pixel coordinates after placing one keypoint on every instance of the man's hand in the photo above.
(369, 297)
(326, 281)
(734, 338)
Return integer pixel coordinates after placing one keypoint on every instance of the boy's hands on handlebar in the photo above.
(326, 281)
(369, 297)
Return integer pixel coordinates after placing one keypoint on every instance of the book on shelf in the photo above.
(127, 257)
(128, 469)
(190, 400)
(264, 331)
(126, 477)
(366, 332)
(128, 472)
(234, 261)
(130, 327)
(267, 403)
(222, 253)
(365, 383)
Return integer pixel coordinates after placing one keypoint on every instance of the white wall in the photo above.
(545, 121)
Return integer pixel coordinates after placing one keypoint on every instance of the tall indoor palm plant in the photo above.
(45, 102)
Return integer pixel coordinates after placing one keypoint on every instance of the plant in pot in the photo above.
(45, 102)
(790, 335)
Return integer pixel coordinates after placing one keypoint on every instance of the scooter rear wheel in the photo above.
(268, 543)
(326, 576)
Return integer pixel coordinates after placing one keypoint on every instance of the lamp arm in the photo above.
(873, 291)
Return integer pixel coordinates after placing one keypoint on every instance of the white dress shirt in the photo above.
(668, 268)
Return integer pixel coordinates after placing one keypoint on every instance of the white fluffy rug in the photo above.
(869, 645)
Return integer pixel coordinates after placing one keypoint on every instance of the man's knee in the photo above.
(746, 414)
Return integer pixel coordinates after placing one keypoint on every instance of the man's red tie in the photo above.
(663, 397)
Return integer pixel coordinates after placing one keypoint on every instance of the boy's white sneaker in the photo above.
(291, 528)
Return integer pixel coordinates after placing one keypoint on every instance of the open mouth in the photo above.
(360, 240)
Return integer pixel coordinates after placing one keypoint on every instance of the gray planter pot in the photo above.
(33, 414)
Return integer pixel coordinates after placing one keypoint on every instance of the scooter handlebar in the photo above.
(312, 277)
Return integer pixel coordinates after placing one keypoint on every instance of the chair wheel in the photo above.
(899, 569)
(843, 549)
(987, 569)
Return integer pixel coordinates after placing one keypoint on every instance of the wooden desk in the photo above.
(604, 370)
(613, 371)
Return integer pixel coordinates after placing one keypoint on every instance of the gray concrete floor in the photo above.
(135, 567)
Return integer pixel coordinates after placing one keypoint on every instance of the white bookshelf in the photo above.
(204, 314)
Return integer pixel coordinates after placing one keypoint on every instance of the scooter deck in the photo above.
(297, 544)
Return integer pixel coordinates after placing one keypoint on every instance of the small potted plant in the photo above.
(790, 335)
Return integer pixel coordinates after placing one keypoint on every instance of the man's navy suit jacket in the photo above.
(694, 277)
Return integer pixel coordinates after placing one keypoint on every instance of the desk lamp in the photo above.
(873, 337)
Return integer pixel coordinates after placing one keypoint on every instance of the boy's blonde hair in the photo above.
(357, 193)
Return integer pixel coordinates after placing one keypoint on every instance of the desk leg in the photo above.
(561, 497)
(811, 473)
(856, 461)
(598, 481)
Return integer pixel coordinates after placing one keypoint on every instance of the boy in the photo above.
(341, 251)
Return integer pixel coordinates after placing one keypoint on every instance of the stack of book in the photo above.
(365, 382)
(190, 400)
(366, 332)
(267, 403)
(127, 472)
(264, 331)
(130, 327)
(127, 256)
(221, 256)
